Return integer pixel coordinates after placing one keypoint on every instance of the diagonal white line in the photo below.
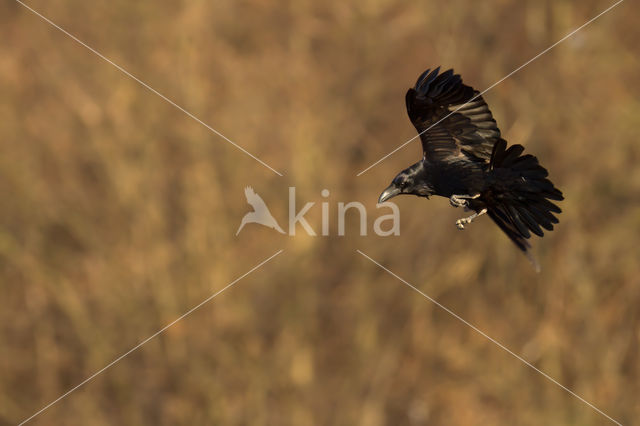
(492, 340)
(492, 86)
(88, 379)
(128, 74)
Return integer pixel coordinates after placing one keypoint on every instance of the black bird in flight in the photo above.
(466, 160)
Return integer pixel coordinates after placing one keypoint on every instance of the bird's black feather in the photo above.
(452, 119)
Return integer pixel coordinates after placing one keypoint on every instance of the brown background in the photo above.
(118, 214)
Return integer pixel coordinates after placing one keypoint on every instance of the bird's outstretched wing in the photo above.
(467, 134)
(253, 199)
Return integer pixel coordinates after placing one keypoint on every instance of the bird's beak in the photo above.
(388, 193)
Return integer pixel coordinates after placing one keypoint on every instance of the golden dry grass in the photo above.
(119, 213)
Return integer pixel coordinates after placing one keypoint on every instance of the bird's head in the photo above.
(413, 180)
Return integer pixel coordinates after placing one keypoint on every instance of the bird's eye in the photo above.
(401, 183)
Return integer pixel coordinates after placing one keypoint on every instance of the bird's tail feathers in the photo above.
(499, 216)
(524, 207)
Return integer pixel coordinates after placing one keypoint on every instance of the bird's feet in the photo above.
(461, 200)
(460, 223)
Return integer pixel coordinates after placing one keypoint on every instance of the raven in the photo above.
(466, 160)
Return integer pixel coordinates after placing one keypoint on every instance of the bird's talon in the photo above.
(460, 223)
(457, 201)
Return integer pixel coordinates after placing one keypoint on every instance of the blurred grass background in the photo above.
(119, 213)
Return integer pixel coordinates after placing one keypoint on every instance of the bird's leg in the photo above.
(460, 223)
(461, 200)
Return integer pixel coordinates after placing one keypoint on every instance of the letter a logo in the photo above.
(260, 213)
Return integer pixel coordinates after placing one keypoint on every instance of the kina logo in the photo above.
(297, 217)
(260, 213)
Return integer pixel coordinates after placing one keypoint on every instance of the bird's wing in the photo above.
(469, 133)
(253, 199)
